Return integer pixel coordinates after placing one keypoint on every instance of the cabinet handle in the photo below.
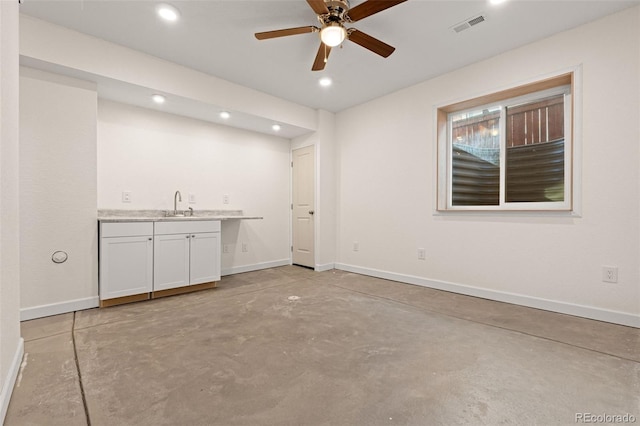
(193, 236)
(187, 236)
(150, 239)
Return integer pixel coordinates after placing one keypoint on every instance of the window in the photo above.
(508, 151)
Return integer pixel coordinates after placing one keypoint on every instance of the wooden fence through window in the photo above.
(534, 123)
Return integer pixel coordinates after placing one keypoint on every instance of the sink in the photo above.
(170, 213)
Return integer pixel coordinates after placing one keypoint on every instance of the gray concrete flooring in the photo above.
(289, 346)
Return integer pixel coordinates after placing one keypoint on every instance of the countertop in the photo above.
(160, 215)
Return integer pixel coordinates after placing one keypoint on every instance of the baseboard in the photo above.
(10, 381)
(325, 267)
(93, 302)
(583, 311)
(255, 267)
(58, 308)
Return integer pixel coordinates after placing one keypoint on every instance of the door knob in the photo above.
(311, 212)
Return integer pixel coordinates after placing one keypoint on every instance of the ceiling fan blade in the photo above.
(371, 43)
(318, 6)
(371, 7)
(321, 57)
(286, 32)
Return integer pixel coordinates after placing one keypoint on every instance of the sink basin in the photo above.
(172, 214)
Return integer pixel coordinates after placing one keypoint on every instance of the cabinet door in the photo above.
(205, 258)
(171, 261)
(126, 266)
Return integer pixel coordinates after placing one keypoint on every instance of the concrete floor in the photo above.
(289, 346)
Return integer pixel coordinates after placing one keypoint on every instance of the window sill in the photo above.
(509, 213)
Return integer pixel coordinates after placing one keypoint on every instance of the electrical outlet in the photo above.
(225, 248)
(225, 199)
(610, 274)
(422, 254)
(356, 246)
(192, 198)
(126, 196)
(245, 247)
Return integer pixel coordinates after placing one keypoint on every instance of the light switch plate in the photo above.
(192, 198)
(126, 196)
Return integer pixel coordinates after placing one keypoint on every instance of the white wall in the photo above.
(57, 193)
(11, 345)
(154, 154)
(387, 185)
(104, 60)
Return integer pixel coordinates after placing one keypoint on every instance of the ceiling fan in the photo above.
(333, 15)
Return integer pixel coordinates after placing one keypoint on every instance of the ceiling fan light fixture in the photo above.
(333, 34)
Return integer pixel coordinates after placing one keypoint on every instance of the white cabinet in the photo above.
(138, 259)
(171, 265)
(126, 259)
(186, 253)
(204, 264)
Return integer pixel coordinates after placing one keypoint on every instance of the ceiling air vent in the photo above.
(468, 23)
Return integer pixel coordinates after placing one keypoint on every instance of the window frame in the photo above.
(565, 84)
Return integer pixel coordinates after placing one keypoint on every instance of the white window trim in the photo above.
(572, 203)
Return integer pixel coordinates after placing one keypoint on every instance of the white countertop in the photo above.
(160, 215)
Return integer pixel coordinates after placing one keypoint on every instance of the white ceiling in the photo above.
(216, 37)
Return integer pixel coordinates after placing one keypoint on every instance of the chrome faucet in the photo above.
(176, 197)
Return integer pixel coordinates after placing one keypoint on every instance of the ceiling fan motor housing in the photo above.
(337, 11)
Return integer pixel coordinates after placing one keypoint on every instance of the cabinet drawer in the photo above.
(192, 226)
(125, 229)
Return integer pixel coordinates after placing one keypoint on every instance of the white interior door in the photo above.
(303, 206)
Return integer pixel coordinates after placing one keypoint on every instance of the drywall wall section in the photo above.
(58, 193)
(95, 57)
(153, 155)
(387, 182)
(11, 345)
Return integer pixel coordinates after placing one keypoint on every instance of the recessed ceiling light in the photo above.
(224, 115)
(159, 99)
(497, 1)
(325, 82)
(168, 12)
(276, 127)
